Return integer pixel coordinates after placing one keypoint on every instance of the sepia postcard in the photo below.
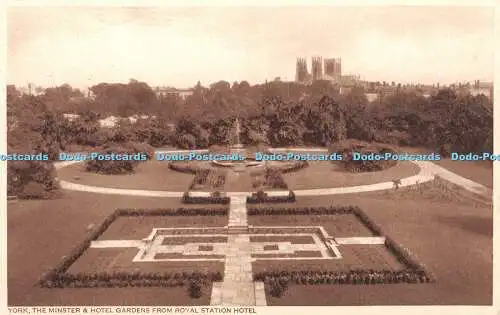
(249, 159)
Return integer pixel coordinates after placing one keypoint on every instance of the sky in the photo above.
(178, 46)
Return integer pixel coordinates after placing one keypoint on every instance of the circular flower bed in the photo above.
(348, 147)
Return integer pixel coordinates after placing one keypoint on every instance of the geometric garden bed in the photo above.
(278, 275)
(68, 274)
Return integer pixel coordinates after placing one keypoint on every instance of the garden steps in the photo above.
(238, 229)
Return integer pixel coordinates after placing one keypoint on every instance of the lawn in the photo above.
(453, 240)
(136, 228)
(41, 232)
(343, 225)
(149, 175)
(329, 174)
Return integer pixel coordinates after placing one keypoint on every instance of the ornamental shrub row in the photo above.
(187, 199)
(262, 197)
(129, 279)
(174, 212)
(332, 210)
(359, 276)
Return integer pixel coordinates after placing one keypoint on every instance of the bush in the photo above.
(194, 289)
(32, 180)
(274, 179)
(348, 147)
(114, 167)
(276, 287)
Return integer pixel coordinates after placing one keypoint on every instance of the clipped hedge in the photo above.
(261, 197)
(332, 210)
(173, 212)
(187, 199)
(130, 279)
(358, 276)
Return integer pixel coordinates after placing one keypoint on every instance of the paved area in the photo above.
(238, 212)
(238, 286)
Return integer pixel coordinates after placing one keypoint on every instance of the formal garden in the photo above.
(418, 216)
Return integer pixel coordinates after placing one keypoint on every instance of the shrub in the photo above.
(274, 179)
(113, 167)
(32, 179)
(347, 147)
(276, 287)
(194, 289)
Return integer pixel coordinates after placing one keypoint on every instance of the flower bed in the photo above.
(208, 179)
(348, 147)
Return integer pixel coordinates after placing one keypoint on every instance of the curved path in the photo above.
(428, 171)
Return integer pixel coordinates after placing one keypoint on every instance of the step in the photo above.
(237, 230)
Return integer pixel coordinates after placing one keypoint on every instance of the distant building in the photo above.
(329, 69)
(484, 88)
(317, 68)
(333, 69)
(170, 91)
(349, 79)
(301, 73)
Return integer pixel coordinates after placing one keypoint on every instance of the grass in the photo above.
(345, 225)
(34, 248)
(450, 234)
(327, 175)
(149, 175)
(438, 190)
